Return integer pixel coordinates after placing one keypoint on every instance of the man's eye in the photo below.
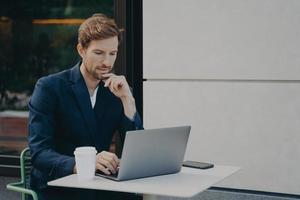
(98, 53)
(113, 54)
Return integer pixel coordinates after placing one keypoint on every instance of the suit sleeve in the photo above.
(129, 124)
(42, 107)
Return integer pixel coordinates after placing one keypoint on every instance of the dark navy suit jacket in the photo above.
(61, 118)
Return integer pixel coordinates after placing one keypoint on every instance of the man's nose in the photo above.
(106, 61)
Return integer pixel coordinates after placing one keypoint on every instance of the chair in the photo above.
(23, 185)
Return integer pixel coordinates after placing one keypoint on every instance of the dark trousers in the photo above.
(64, 193)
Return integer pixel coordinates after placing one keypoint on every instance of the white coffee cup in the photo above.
(85, 158)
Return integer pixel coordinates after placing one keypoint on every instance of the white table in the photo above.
(189, 182)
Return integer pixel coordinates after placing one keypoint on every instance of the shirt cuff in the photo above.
(133, 118)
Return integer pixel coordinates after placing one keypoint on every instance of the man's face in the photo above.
(99, 57)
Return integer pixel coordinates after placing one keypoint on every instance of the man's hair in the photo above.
(98, 27)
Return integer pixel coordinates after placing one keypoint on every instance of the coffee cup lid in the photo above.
(85, 149)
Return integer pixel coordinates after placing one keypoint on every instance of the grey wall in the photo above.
(233, 39)
(231, 70)
(7, 194)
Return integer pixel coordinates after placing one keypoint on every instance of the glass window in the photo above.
(37, 37)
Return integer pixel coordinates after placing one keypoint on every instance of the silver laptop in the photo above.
(151, 152)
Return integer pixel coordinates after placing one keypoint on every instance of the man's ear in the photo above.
(80, 50)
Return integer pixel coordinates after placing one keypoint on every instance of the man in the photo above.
(82, 106)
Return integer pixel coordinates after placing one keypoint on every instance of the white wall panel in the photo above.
(254, 125)
(217, 39)
(193, 49)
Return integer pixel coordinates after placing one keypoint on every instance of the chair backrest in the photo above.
(25, 164)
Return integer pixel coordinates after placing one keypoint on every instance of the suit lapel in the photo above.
(83, 100)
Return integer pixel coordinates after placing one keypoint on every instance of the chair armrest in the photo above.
(19, 187)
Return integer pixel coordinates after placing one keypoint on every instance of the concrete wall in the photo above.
(231, 69)
(7, 194)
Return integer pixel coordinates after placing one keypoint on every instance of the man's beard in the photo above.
(97, 75)
(92, 71)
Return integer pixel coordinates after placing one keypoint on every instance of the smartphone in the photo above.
(198, 165)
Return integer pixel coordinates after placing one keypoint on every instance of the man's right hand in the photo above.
(107, 162)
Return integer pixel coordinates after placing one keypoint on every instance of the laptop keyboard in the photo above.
(111, 175)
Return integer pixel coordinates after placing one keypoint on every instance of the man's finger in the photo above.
(108, 78)
(107, 82)
(111, 88)
(115, 84)
(108, 75)
(109, 160)
(115, 157)
(111, 157)
(102, 169)
(107, 165)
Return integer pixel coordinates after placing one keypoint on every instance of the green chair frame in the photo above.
(22, 186)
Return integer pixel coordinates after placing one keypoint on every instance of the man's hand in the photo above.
(119, 87)
(74, 169)
(107, 162)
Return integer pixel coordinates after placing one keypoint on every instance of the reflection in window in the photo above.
(37, 37)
